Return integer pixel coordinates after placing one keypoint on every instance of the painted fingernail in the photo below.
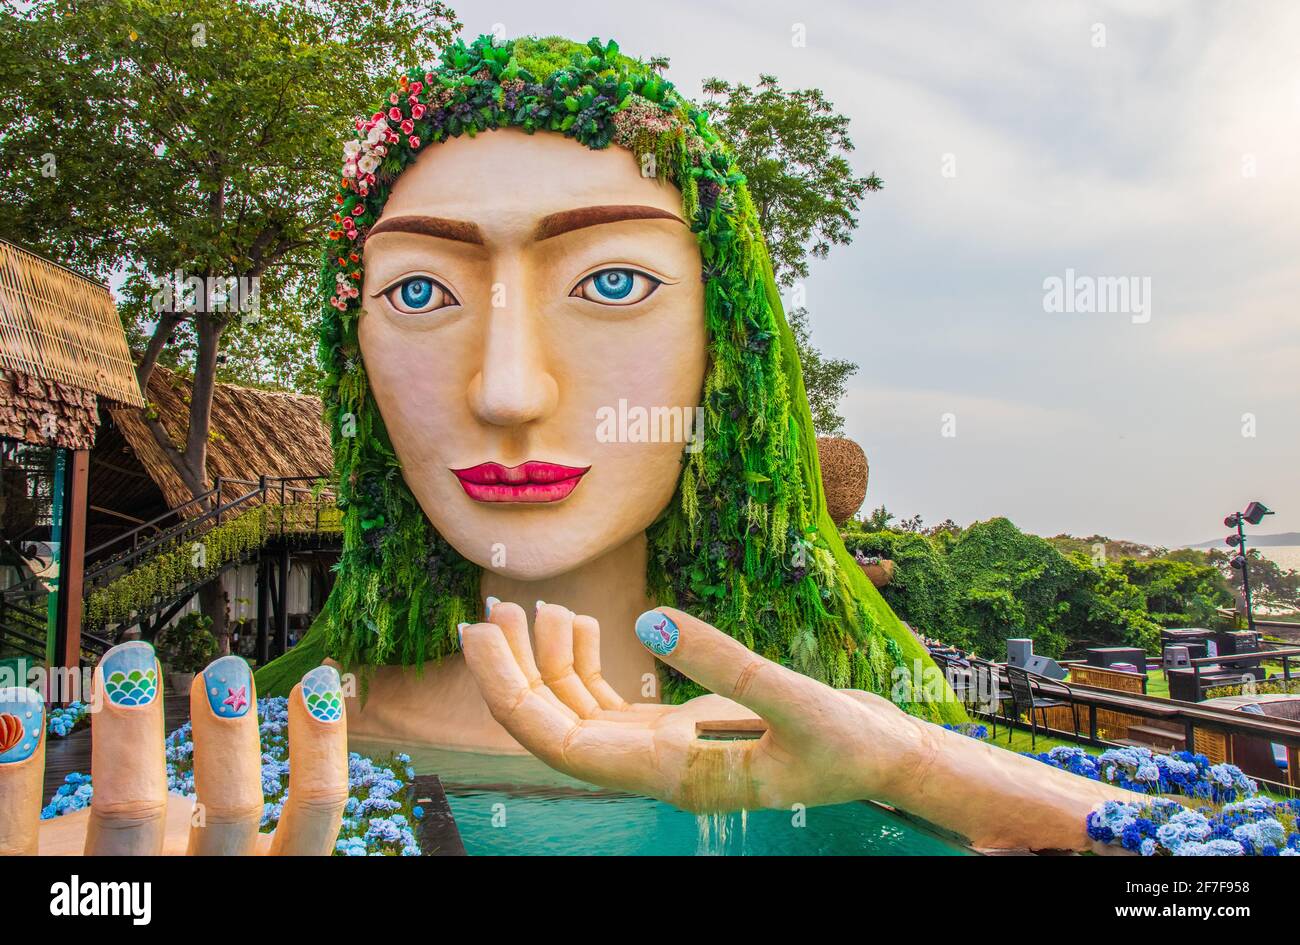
(657, 632)
(538, 606)
(130, 673)
(491, 602)
(22, 718)
(460, 632)
(229, 685)
(323, 694)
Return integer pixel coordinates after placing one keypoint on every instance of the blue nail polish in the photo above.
(22, 719)
(229, 686)
(657, 632)
(460, 632)
(322, 693)
(491, 602)
(130, 673)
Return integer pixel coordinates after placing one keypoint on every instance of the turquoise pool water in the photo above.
(518, 806)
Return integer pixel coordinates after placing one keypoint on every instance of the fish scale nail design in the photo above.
(657, 632)
(130, 674)
(322, 693)
(22, 719)
(229, 687)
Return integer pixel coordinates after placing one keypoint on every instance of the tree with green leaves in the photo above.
(194, 143)
(152, 138)
(793, 148)
(878, 520)
(824, 377)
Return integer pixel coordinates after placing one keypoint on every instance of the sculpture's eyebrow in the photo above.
(568, 220)
(458, 230)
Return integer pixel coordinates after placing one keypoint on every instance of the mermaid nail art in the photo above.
(322, 693)
(491, 602)
(22, 719)
(229, 686)
(657, 632)
(130, 674)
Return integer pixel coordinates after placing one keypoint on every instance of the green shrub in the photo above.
(922, 591)
(188, 645)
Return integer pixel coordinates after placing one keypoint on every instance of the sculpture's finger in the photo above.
(553, 628)
(227, 761)
(129, 810)
(726, 666)
(608, 753)
(535, 722)
(586, 663)
(22, 769)
(318, 767)
(514, 625)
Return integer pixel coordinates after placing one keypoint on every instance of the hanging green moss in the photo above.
(746, 543)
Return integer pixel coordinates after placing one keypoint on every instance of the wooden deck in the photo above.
(436, 831)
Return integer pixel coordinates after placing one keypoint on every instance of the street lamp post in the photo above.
(1254, 514)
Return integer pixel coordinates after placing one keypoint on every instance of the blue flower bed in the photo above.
(62, 721)
(1143, 771)
(73, 794)
(378, 819)
(1256, 826)
(1240, 822)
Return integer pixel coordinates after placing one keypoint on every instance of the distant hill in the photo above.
(1258, 541)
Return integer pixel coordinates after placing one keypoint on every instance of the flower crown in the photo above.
(600, 98)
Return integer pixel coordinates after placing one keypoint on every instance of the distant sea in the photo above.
(1286, 556)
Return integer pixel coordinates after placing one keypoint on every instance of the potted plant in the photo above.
(185, 648)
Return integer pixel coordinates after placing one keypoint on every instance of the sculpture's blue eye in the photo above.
(417, 292)
(420, 294)
(616, 287)
(613, 283)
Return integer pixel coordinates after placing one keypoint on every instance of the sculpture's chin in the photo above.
(527, 558)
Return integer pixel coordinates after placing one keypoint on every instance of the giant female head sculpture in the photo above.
(543, 259)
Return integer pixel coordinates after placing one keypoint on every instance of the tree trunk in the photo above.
(167, 322)
(212, 601)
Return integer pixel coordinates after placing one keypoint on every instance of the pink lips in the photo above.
(532, 481)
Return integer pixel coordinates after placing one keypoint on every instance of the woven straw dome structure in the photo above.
(844, 476)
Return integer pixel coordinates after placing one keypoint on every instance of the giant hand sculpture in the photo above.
(131, 812)
(820, 746)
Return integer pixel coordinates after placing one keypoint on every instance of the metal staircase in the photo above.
(145, 576)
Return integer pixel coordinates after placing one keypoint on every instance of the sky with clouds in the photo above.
(1019, 140)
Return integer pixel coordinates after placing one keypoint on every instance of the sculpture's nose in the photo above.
(514, 385)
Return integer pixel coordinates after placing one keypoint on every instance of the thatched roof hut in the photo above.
(254, 433)
(61, 349)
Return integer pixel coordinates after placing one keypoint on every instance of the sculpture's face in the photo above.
(517, 289)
